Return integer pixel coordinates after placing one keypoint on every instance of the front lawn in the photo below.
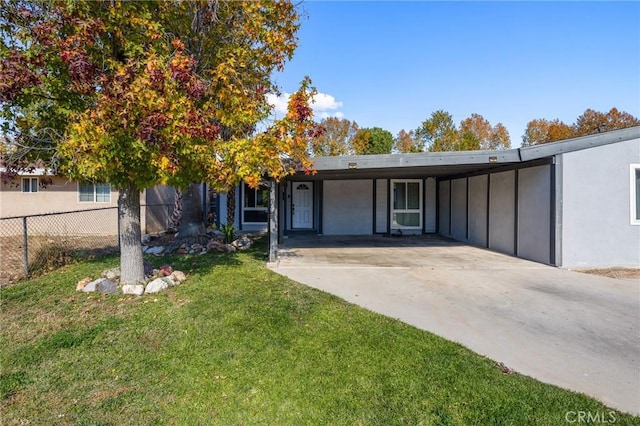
(238, 344)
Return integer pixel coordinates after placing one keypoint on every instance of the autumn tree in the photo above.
(591, 121)
(336, 137)
(540, 130)
(406, 142)
(119, 92)
(372, 141)
(477, 133)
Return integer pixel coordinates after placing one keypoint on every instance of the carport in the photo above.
(542, 203)
(570, 329)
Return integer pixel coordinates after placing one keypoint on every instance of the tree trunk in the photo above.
(131, 262)
(231, 206)
(176, 214)
(192, 222)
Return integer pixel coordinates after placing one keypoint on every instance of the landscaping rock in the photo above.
(155, 250)
(178, 277)
(82, 283)
(242, 243)
(165, 271)
(216, 245)
(148, 269)
(106, 286)
(111, 274)
(136, 289)
(146, 239)
(157, 285)
(92, 286)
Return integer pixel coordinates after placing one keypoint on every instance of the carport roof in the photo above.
(452, 163)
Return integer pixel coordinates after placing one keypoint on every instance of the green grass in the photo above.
(238, 344)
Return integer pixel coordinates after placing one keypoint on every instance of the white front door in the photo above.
(302, 205)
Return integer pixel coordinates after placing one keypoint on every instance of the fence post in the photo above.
(25, 247)
(118, 223)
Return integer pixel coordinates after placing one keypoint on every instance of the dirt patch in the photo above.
(46, 253)
(625, 273)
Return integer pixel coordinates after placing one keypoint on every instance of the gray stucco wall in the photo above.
(347, 207)
(430, 205)
(459, 209)
(502, 212)
(596, 225)
(478, 210)
(382, 200)
(534, 201)
(443, 207)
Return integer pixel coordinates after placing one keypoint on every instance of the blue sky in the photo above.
(391, 64)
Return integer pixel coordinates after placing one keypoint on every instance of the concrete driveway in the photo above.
(574, 330)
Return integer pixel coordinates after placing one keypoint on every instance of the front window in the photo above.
(94, 192)
(256, 203)
(30, 184)
(407, 204)
(635, 194)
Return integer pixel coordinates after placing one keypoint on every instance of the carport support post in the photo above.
(273, 221)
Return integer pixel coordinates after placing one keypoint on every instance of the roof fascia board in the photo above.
(576, 144)
(415, 160)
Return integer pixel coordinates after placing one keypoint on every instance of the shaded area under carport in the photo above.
(573, 330)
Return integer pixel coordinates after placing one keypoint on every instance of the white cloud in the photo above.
(323, 105)
(324, 102)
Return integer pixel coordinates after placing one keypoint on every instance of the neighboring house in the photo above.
(26, 196)
(573, 203)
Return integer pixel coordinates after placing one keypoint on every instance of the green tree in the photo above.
(438, 132)
(372, 141)
(141, 93)
(335, 138)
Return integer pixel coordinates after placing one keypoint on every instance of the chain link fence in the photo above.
(37, 243)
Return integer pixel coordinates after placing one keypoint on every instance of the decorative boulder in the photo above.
(165, 271)
(178, 277)
(111, 274)
(148, 269)
(154, 250)
(157, 285)
(216, 245)
(92, 286)
(242, 243)
(136, 289)
(106, 286)
(82, 283)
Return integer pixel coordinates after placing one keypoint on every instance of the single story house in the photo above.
(27, 197)
(573, 203)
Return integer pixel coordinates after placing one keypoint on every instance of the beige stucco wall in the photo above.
(60, 196)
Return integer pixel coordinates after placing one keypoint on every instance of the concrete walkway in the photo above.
(577, 331)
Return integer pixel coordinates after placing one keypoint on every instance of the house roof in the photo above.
(452, 163)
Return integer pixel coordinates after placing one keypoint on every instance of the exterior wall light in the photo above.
(353, 165)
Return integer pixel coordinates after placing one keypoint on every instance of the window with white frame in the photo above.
(406, 204)
(94, 192)
(30, 184)
(635, 193)
(255, 204)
